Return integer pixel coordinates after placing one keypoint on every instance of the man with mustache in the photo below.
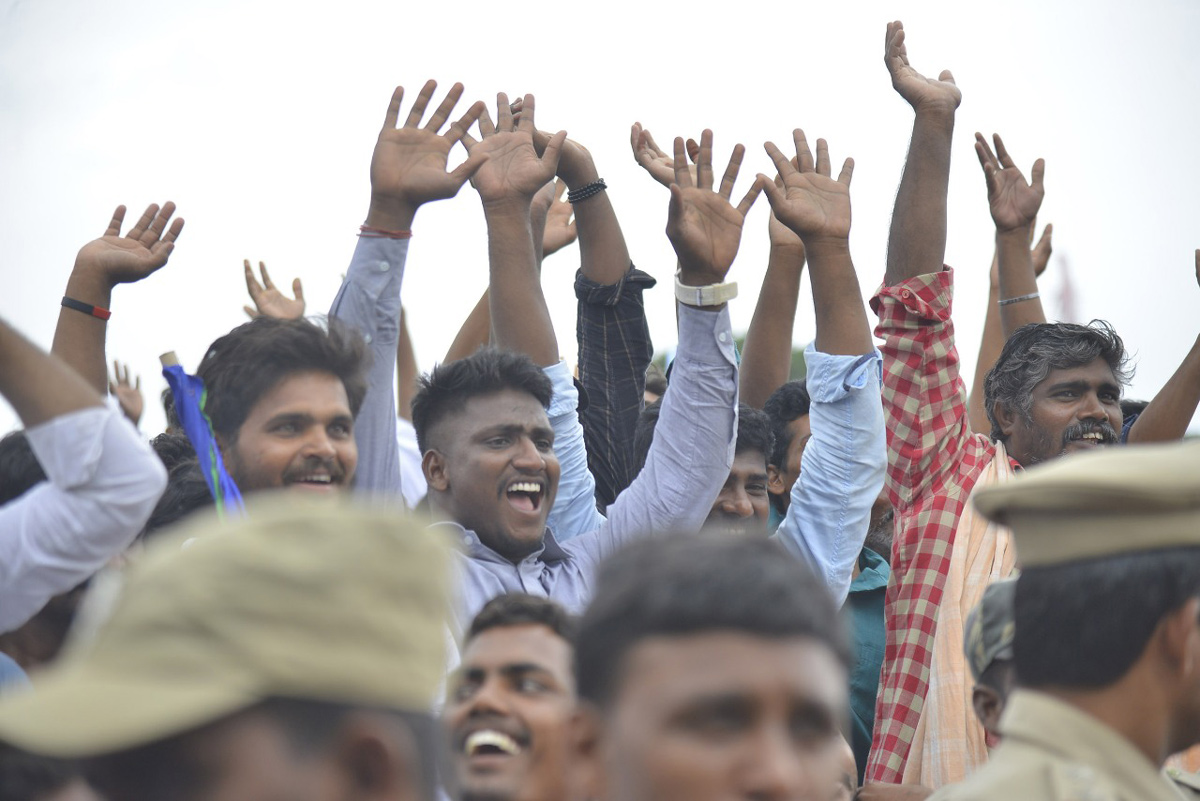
(1054, 390)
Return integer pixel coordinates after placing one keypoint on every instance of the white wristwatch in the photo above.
(710, 295)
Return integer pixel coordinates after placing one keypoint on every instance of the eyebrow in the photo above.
(510, 670)
(1082, 385)
(535, 431)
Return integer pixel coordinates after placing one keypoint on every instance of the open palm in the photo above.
(810, 202)
(129, 258)
(1013, 201)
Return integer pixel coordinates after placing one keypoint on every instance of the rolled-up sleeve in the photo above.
(103, 483)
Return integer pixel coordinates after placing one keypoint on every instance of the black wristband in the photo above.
(584, 192)
(86, 308)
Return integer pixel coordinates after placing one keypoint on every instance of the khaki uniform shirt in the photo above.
(1052, 751)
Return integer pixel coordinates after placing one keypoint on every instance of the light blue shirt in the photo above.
(842, 469)
(689, 459)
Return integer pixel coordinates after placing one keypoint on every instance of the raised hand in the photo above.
(513, 171)
(269, 301)
(559, 230)
(1042, 250)
(923, 94)
(114, 259)
(1014, 203)
(810, 202)
(128, 394)
(652, 159)
(408, 167)
(704, 226)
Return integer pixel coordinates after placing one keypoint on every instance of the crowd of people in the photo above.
(512, 579)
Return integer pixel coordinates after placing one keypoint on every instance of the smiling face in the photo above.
(783, 477)
(491, 468)
(1074, 409)
(724, 715)
(507, 715)
(743, 507)
(299, 435)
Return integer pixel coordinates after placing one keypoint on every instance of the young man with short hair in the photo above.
(710, 668)
(509, 704)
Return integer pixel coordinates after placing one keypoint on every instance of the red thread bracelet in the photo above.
(382, 233)
(86, 308)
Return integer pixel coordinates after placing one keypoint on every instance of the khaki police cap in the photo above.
(1115, 500)
(988, 635)
(328, 602)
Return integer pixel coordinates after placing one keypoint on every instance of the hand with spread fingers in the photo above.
(409, 164)
(128, 393)
(114, 259)
(1014, 202)
(810, 202)
(652, 159)
(704, 226)
(923, 94)
(555, 210)
(269, 301)
(513, 171)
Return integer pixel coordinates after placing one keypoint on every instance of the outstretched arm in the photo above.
(993, 338)
(917, 241)
(101, 265)
(103, 482)
(843, 465)
(1167, 416)
(692, 450)
(408, 169)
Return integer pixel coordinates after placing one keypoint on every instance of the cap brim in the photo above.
(75, 714)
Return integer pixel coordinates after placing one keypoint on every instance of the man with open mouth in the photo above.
(509, 703)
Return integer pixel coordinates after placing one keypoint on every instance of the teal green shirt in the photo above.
(865, 609)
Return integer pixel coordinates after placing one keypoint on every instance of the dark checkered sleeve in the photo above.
(614, 352)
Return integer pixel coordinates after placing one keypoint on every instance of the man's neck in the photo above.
(1134, 709)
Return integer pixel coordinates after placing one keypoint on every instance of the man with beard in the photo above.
(1054, 390)
(509, 704)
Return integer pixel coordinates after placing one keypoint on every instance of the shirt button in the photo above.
(722, 337)
(383, 266)
(906, 294)
(367, 338)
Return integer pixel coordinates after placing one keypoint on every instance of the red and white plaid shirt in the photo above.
(934, 460)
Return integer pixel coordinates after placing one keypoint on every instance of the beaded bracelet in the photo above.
(584, 192)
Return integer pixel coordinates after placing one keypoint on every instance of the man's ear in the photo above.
(988, 706)
(775, 484)
(376, 758)
(1180, 636)
(433, 465)
(586, 777)
(1006, 417)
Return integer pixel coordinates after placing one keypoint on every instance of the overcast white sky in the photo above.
(258, 119)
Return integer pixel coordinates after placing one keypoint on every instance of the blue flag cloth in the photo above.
(189, 394)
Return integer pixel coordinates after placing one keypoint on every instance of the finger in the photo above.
(262, 268)
(250, 312)
(981, 153)
(418, 109)
(458, 129)
(751, 196)
(143, 223)
(704, 174)
(125, 375)
(1001, 151)
(526, 123)
(823, 167)
(682, 176)
(693, 149)
(1038, 173)
(443, 111)
(985, 150)
(393, 110)
(116, 373)
(781, 162)
(802, 151)
(504, 122)
(112, 388)
(486, 126)
(658, 151)
(775, 193)
(946, 77)
(252, 285)
(138, 385)
(297, 290)
(635, 135)
(560, 188)
(731, 172)
(553, 149)
(173, 232)
(158, 224)
(847, 172)
(114, 225)
(463, 172)
(1198, 265)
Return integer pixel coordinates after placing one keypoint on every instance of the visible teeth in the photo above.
(496, 739)
(525, 486)
(317, 479)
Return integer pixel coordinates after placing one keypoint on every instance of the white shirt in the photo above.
(104, 481)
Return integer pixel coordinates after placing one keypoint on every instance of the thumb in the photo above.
(554, 149)
(297, 290)
(775, 195)
(463, 172)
